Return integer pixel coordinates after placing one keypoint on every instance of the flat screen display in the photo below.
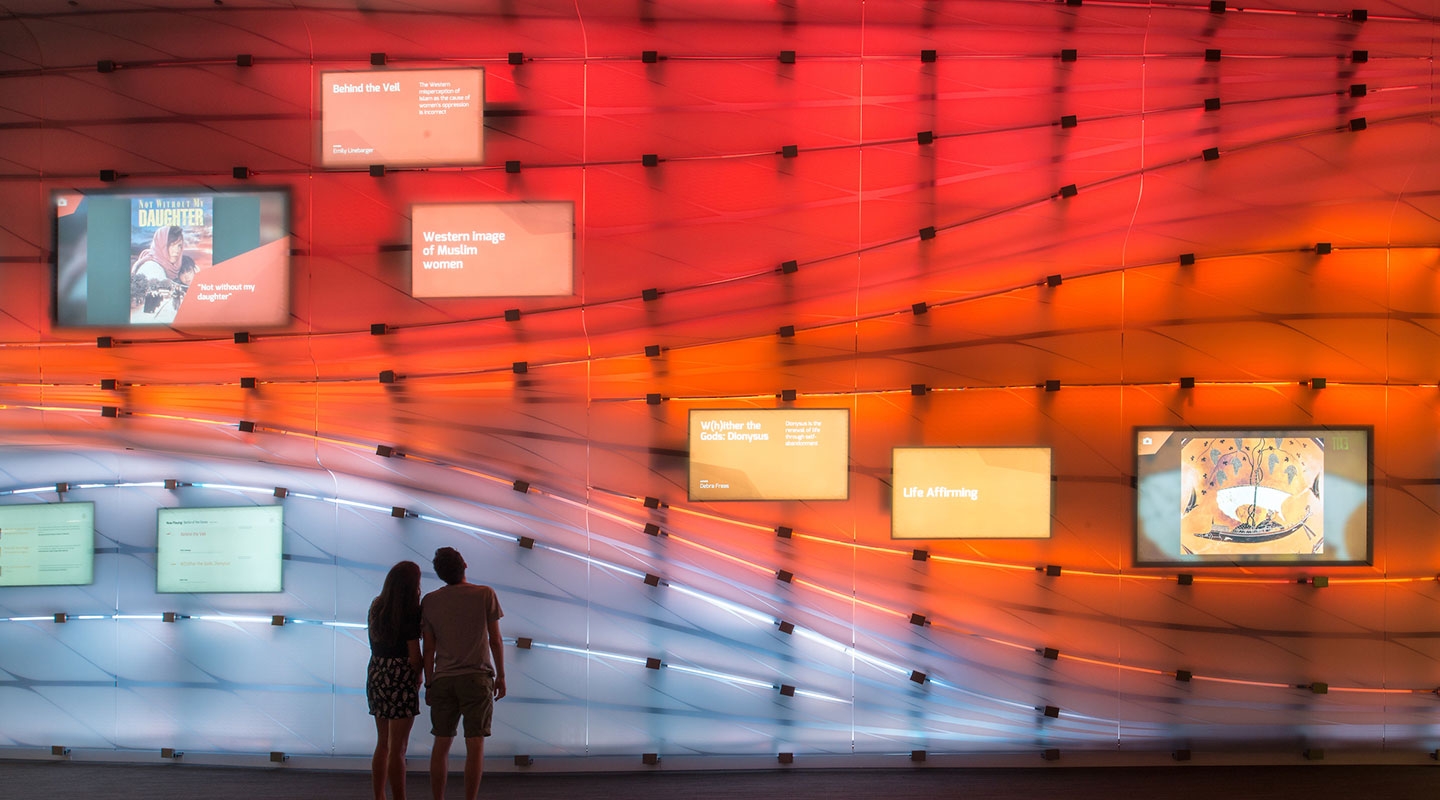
(519, 249)
(769, 454)
(403, 118)
(47, 544)
(1253, 496)
(219, 550)
(970, 493)
(186, 258)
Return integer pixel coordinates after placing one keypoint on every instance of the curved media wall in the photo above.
(981, 239)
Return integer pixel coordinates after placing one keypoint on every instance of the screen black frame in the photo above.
(1268, 561)
(286, 198)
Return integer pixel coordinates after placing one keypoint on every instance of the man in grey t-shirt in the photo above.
(460, 640)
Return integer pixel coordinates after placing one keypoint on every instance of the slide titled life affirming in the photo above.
(970, 493)
(219, 550)
(47, 545)
(512, 249)
(770, 454)
(403, 118)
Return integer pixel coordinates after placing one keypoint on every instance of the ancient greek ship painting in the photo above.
(1244, 492)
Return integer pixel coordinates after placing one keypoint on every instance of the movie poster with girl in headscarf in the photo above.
(171, 243)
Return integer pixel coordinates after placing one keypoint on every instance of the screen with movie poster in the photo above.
(1253, 496)
(185, 258)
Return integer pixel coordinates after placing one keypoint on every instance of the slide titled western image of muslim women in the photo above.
(509, 249)
(236, 549)
(49, 544)
(971, 493)
(403, 118)
(770, 454)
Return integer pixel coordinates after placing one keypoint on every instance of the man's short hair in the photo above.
(449, 565)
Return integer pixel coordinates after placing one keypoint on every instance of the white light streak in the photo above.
(818, 696)
(596, 562)
(579, 651)
(250, 489)
(732, 607)
(340, 501)
(850, 651)
(472, 528)
(720, 676)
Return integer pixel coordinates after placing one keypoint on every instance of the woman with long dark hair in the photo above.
(392, 681)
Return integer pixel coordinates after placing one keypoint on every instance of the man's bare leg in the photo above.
(474, 765)
(439, 766)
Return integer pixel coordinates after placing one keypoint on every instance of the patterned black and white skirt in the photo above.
(390, 688)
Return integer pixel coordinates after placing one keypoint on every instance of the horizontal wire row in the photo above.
(920, 621)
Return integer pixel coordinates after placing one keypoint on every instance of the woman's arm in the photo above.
(416, 665)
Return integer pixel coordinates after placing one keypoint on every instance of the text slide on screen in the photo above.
(404, 118)
(769, 454)
(507, 249)
(219, 550)
(47, 544)
(970, 493)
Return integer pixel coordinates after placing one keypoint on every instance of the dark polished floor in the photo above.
(26, 780)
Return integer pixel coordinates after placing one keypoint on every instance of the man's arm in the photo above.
(427, 655)
(497, 654)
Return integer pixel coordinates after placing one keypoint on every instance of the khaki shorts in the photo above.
(469, 696)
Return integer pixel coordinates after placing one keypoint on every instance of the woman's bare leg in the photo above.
(399, 744)
(380, 761)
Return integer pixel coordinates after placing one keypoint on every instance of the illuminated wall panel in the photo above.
(1029, 239)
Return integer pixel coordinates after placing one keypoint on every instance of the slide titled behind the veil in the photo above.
(408, 118)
